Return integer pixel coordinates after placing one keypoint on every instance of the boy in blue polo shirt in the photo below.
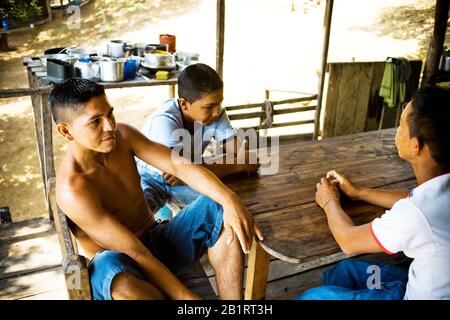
(197, 116)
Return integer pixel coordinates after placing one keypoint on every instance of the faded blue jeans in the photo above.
(178, 244)
(349, 279)
(158, 191)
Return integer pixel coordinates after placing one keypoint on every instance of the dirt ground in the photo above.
(269, 44)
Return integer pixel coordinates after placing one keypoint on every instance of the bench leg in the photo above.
(257, 272)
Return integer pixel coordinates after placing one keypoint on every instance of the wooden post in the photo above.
(435, 50)
(327, 25)
(37, 117)
(47, 143)
(49, 9)
(220, 36)
(257, 272)
(172, 91)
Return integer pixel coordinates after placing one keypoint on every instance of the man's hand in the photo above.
(172, 180)
(344, 184)
(237, 219)
(245, 158)
(326, 192)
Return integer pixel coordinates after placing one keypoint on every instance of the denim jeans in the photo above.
(158, 191)
(178, 244)
(349, 280)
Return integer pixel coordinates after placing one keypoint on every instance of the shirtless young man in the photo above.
(98, 188)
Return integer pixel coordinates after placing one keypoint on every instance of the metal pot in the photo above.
(117, 48)
(58, 56)
(82, 52)
(138, 49)
(157, 60)
(112, 70)
(157, 46)
(58, 70)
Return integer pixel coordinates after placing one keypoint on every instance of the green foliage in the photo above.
(21, 11)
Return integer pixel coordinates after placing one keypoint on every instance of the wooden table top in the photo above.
(295, 228)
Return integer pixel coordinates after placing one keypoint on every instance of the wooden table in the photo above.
(294, 226)
(40, 90)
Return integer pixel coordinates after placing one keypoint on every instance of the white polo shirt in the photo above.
(420, 227)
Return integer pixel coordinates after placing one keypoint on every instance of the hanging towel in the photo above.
(393, 84)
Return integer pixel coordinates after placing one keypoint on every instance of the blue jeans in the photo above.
(349, 280)
(178, 244)
(158, 191)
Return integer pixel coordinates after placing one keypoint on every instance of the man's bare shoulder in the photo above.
(72, 187)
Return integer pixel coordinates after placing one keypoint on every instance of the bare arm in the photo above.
(221, 166)
(79, 200)
(381, 198)
(350, 238)
(237, 219)
(238, 150)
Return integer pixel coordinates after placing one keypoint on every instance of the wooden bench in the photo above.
(75, 265)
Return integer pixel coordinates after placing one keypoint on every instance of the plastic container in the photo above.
(87, 69)
(130, 69)
(5, 24)
(170, 40)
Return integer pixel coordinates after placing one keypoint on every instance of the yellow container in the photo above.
(162, 75)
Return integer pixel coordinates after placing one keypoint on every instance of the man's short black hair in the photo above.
(68, 96)
(429, 121)
(196, 80)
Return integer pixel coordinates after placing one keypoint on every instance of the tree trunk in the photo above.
(437, 42)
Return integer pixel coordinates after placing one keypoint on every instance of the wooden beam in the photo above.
(220, 36)
(436, 44)
(257, 272)
(326, 42)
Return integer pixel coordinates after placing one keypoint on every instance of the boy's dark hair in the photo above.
(196, 80)
(429, 121)
(70, 95)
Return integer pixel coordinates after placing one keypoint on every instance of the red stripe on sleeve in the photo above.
(378, 241)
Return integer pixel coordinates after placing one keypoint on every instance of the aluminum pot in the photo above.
(58, 56)
(82, 52)
(116, 48)
(157, 60)
(58, 70)
(112, 70)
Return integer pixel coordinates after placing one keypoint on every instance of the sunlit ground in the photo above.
(269, 44)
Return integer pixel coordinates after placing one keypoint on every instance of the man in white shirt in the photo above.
(417, 222)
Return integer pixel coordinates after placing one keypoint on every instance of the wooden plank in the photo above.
(47, 141)
(293, 110)
(297, 187)
(33, 284)
(375, 102)
(362, 101)
(25, 229)
(348, 94)
(220, 36)
(307, 227)
(37, 116)
(258, 268)
(66, 241)
(326, 42)
(76, 276)
(334, 81)
(23, 256)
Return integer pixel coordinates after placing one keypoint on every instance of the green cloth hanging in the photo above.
(393, 84)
